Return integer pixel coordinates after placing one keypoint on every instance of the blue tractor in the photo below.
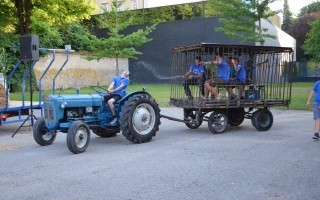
(138, 117)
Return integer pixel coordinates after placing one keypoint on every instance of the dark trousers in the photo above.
(187, 82)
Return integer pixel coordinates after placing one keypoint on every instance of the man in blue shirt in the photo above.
(240, 75)
(195, 75)
(221, 79)
(315, 92)
(117, 90)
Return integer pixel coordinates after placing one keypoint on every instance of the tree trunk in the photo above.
(117, 65)
(260, 33)
(24, 8)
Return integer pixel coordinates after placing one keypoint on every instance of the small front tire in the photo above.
(78, 137)
(41, 135)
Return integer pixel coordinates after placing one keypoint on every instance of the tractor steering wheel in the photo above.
(99, 90)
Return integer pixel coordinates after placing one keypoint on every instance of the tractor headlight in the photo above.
(64, 105)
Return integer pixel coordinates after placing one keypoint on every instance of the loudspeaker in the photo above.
(29, 48)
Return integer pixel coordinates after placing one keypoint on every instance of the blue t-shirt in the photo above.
(316, 88)
(249, 71)
(118, 80)
(196, 69)
(223, 70)
(241, 75)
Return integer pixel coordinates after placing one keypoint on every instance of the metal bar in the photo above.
(24, 81)
(54, 79)
(40, 80)
(8, 81)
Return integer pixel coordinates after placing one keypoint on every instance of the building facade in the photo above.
(124, 5)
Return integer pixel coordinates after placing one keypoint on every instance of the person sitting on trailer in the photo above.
(195, 75)
(116, 91)
(249, 67)
(240, 75)
(221, 79)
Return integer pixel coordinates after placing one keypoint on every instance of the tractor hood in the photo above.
(75, 100)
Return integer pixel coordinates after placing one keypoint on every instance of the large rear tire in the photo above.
(140, 118)
(41, 135)
(78, 137)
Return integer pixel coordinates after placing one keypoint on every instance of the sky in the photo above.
(294, 5)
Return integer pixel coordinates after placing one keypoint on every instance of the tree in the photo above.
(311, 8)
(287, 17)
(311, 44)
(300, 29)
(240, 17)
(24, 13)
(119, 44)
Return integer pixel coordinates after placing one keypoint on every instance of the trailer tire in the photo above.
(140, 118)
(236, 116)
(218, 122)
(78, 137)
(41, 135)
(195, 117)
(262, 119)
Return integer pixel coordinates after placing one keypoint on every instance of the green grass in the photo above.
(161, 92)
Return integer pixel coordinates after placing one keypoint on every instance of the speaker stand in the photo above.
(31, 115)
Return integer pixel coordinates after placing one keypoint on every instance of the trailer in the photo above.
(270, 86)
(20, 112)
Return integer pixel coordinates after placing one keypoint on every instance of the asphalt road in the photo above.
(179, 163)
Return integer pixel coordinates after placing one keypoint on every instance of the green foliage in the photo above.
(312, 7)
(78, 36)
(287, 17)
(118, 44)
(7, 12)
(311, 44)
(240, 16)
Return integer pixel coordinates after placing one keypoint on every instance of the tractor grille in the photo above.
(48, 113)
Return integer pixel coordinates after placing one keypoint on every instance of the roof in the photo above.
(230, 48)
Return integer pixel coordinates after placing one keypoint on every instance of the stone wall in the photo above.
(78, 71)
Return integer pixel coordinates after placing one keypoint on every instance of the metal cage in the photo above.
(270, 85)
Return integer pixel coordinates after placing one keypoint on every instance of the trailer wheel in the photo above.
(194, 115)
(78, 137)
(236, 116)
(41, 135)
(101, 132)
(218, 122)
(140, 118)
(262, 119)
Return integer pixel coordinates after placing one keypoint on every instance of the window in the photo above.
(135, 5)
(120, 7)
(105, 6)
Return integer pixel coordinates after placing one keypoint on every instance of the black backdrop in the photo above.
(154, 65)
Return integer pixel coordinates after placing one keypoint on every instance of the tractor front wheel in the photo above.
(41, 135)
(78, 137)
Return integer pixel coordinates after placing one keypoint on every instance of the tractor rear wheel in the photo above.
(41, 135)
(140, 118)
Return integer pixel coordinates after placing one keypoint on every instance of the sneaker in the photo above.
(114, 121)
(190, 97)
(316, 136)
